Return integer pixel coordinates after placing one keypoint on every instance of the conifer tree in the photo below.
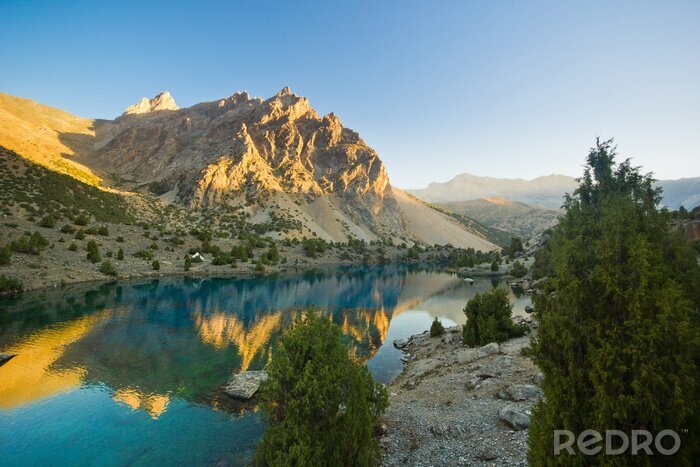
(320, 404)
(618, 334)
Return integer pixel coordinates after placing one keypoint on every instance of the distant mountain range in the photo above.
(547, 191)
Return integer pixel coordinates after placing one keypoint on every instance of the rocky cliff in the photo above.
(248, 147)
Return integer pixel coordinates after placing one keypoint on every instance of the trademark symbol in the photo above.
(684, 430)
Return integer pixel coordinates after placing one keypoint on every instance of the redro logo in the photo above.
(617, 442)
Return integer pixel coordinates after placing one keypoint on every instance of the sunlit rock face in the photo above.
(243, 146)
(163, 101)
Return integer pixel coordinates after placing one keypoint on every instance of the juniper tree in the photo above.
(319, 402)
(618, 340)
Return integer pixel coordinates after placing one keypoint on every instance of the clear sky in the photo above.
(499, 88)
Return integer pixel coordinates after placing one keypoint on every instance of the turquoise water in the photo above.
(131, 374)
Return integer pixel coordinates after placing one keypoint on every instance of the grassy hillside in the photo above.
(42, 192)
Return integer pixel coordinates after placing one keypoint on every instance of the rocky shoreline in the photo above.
(454, 405)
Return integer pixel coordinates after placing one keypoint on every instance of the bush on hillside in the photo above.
(31, 244)
(93, 254)
(48, 221)
(10, 285)
(6, 255)
(108, 268)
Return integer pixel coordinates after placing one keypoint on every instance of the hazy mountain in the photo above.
(544, 191)
(517, 219)
(277, 160)
(547, 191)
(681, 192)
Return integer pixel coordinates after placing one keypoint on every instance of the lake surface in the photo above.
(131, 374)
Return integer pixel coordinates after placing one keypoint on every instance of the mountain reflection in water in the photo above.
(149, 348)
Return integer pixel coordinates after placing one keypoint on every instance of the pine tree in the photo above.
(436, 329)
(618, 338)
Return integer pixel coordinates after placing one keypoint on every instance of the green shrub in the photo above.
(6, 255)
(120, 254)
(259, 267)
(69, 229)
(93, 254)
(436, 329)
(494, 266)
(155, 265)
(48, 222)
(73, 247)
(103, 230)
(188, 263)
(10, 286)
(489, 319)
(517, 269)
(108, 268)
(32, 244)
(80, 235)
(144, 254)
(120, 239)
(319, 403)
(81, 220)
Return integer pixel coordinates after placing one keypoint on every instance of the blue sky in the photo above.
(498, 88)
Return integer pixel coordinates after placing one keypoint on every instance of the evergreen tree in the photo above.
(120, 254)
(319, 402)
(93, 252)
(436, 329)
(188, 262)
(618, 339)
(489, 319)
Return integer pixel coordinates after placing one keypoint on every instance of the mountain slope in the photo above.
(517, 219)
(682, 192)
(274, 164)
(46, 136)
(433, 227)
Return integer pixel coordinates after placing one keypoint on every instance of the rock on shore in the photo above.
(454, 405)
(243, 386)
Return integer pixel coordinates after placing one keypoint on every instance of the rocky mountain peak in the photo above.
(163, 101)
(285, 92)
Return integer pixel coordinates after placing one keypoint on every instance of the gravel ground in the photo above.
(445, 408)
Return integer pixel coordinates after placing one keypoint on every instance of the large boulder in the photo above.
(514, 419)
(244, 385)
(520, 392)
(489, 349)
(401, 344)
